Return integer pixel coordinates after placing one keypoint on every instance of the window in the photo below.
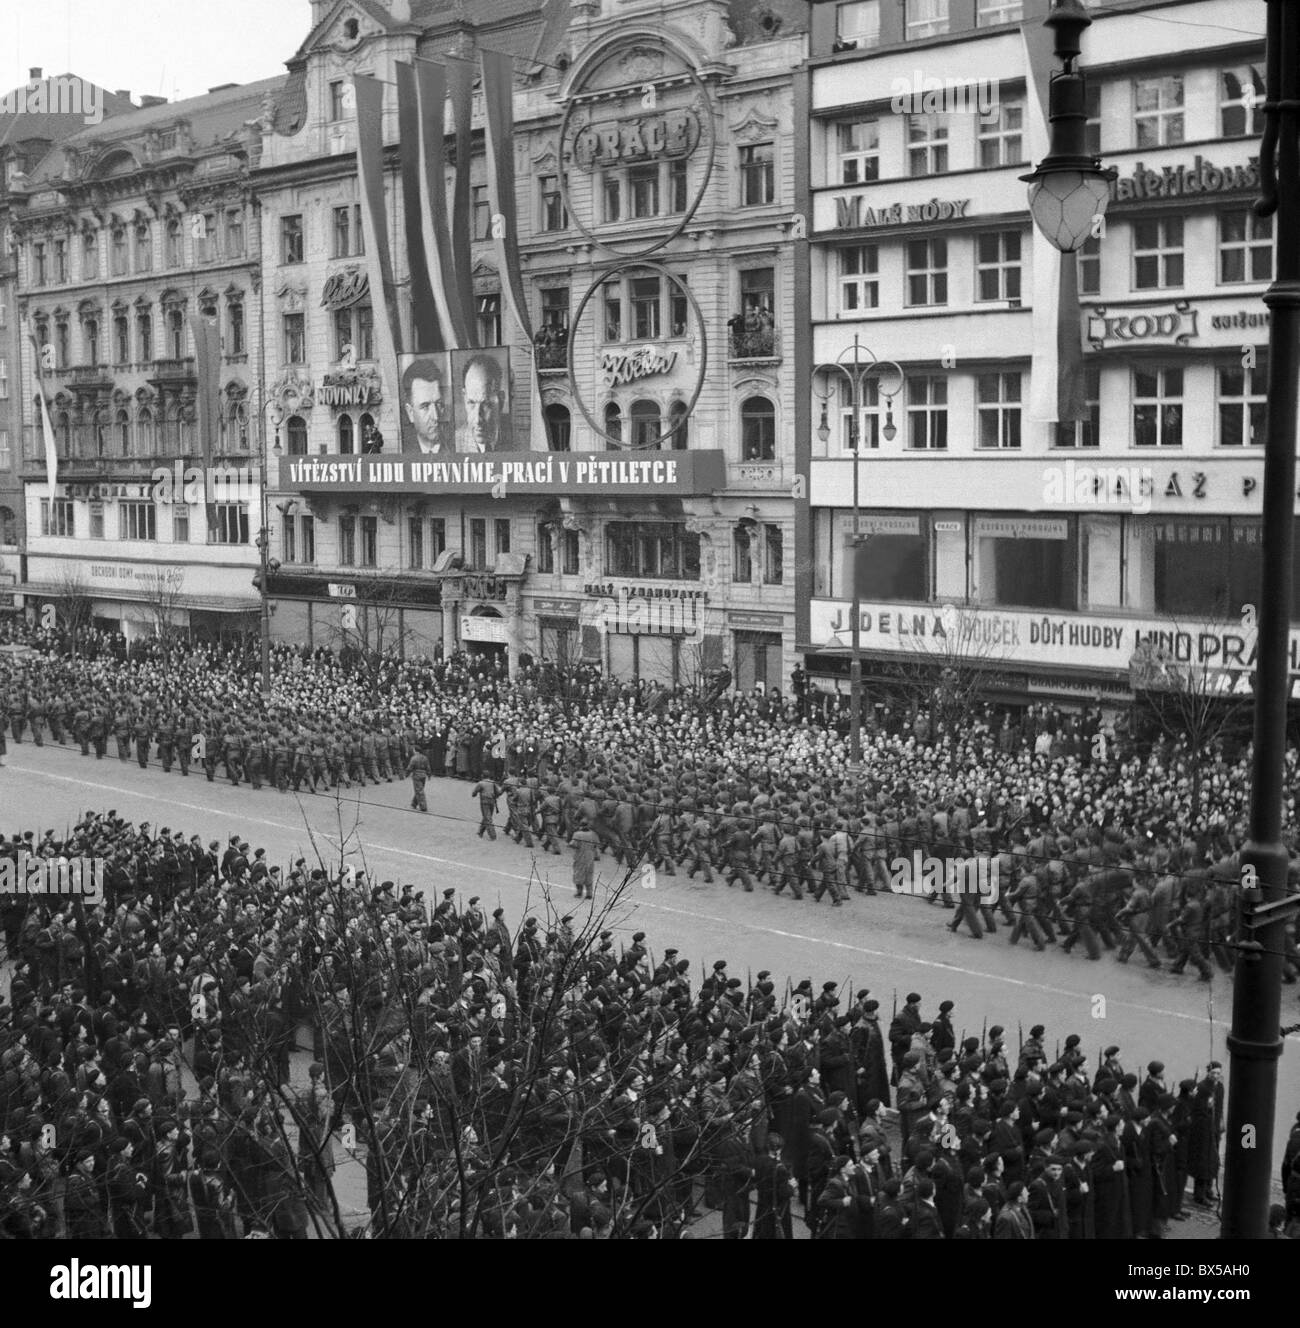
(1245, 247)
(90, 341)
(180, 524)
(1157, 407)
(553, 216)
(342, 232)
(235, 327)
(289, 541)
(1205, 567)
(415, 542)
(1241, 98)
(927, 144)
(678, 424)
(545, 549)
(369, 541)
(997, 266)
(757, 430)
(235, 233)
(39, 272)
(1085, 432)
(489, 319)
(342, 333)
(869, 415)
(1157, 253)
(990, 12)
(678, 307)
(677, 185)
(559, 426)
(859, 151)
(89, 255)
(501, 533)
(308, 529)
(62, 344)
(1092, 126)
(137, 521)
(176, 333)
(1032, 570)
(144, 334)
(646, 424)
(296, 427)
(1243, 404)
(143, 247)
(757, 174)
(295, 339)
(173, 247)
(6, 460)
(927, 413)
(927, 272)
(1088, 268)
(144, 431)
(205, 243)
(643, 190)
(121, 339)
(555, 309)
(96, 520)
(347, 541)
(613, 313)
(60, 261)
(757, 292)
(857, 25)
(645, 293)
(364, 342)
(998, 398)
(1001, 138)
(611, 195)
(482, 209)
(117, 252)
(58, 520)
(569, 553)
(347, 435)
(1158, 111)
(291, 239)
(651, 549)
(773, 556)
(925, 18)
(742, 564)
(338, 101)
(4, 379)
(614, 424)
(478, 542)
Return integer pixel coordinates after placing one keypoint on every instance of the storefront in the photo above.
(757, 650)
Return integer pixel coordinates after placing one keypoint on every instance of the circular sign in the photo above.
(670, 133)
(641, 360)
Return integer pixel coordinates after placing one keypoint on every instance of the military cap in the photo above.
(913, 997)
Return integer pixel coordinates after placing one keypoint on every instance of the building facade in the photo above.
(654, 157)
(1075, 557)
(122, 232)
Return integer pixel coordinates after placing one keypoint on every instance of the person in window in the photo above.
(372, 441)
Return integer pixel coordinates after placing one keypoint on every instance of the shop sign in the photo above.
(769, 621)
(556, 608)
(663, 137)
(350, 387)
(628, 366)
(1201, 177)
(852, 213)
(609, 590)
(993, 527)
(340, 590)
(345, 288)
(491, 630)
(1156, 324)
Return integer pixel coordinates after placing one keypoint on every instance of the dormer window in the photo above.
(351, 29)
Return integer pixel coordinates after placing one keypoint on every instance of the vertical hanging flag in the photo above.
(370, 171)
(1056, 369)
(207, 365)
(43, 358)
(440, 258)
(426, 331)
(460, 87)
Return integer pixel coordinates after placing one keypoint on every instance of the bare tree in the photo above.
(162, 596)
(375, 630)
(74, 606)
(949, 665)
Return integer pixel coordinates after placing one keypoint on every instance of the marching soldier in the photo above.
(418, 770)
(122, 734)
(141, 733)
(487, 793)
(184, 741)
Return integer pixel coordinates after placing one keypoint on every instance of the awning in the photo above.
(120, 594)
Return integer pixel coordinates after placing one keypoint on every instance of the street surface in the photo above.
(890, 944)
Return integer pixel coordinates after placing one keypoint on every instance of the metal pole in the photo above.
(855, 662)
(264, 543)
(1255, 1044)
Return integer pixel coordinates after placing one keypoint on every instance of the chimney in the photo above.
(147, 100)
(35, 74)
(124, 93)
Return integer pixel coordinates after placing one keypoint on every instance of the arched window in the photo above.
(239, 425)
(172, 430)
(101, 433)
(559, 424)
(297, 431)
(8, 526)
(123, 433)
(176, 334)
(613, 425)
(173, 255)
(757, 430)
(677, 423)
(347, 439)
(144, 431)
(63, 432)
(646, 424)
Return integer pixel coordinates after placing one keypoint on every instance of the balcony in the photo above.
(174, 371)
(750, 345)
(91, 375)
(551, 353)
(756, 474)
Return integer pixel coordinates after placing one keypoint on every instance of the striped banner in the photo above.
(426, 325)
(435, 235)
(207, 365)
(370, 170)
(460, 87)
(40, 355)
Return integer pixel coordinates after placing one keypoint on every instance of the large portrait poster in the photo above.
(425, 392)
(481, 395)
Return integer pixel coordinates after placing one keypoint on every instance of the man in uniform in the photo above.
(122, 733)
(487, 793)
(184, 741)
(166, 743)
(140, 732)
(1133, 920)
(585, 845)
(418, 770)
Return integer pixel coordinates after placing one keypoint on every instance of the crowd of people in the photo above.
(538, 1081)
(1093, 839)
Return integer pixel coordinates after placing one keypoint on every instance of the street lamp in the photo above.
(1255, 1042)
(855, 373)
(1069, 189)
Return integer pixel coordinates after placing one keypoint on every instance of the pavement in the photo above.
(891, 944)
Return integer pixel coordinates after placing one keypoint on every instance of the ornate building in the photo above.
(654, 152)
(122, 233)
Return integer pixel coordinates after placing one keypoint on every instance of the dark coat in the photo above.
(868, 1045)
(1110, 1190)
(1206, 1126)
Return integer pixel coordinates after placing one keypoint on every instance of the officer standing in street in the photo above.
(487, 793)
(418, 769)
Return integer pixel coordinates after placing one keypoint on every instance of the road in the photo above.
(890, 944)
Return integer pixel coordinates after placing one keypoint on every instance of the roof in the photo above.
(20, 124)
(212, 118)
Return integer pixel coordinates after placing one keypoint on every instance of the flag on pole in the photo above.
(207, 364)
(370, 171)
(1056, 369)
(460, 87)
(43, 358)
(426, 326)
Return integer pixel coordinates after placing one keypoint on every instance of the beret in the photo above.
(945, 1006)
(1111, 1051)
(913, 997)
(1037, 1031)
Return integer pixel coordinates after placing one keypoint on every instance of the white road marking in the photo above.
(892, 956)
